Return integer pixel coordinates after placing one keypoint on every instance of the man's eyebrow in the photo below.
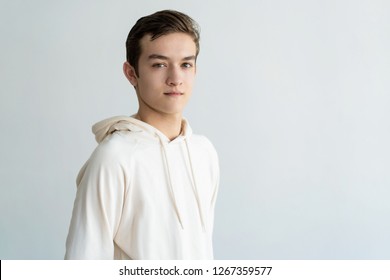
(162, 57)
(191, 57)
(158, 56)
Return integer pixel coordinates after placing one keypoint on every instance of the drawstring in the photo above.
(170, 183)
(194, 187)
(193, 182)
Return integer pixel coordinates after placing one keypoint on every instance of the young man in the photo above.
(148, 190)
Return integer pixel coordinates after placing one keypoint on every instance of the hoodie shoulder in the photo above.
(114, 154)
(116, 146)
(203, 142)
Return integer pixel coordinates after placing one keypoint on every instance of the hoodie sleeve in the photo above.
(216, 180)
(97, 208)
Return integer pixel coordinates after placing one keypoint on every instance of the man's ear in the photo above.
(130, 74)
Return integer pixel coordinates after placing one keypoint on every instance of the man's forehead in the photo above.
(169, 43)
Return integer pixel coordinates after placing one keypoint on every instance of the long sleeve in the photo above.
(97, 209)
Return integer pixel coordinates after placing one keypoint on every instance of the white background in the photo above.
(293, 94)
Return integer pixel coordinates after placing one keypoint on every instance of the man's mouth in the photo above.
(173, 93)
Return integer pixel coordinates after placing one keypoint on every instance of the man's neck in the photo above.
(168, 124)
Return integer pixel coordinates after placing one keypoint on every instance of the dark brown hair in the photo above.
(159, 24)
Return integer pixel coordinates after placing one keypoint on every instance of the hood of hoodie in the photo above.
(124, 123)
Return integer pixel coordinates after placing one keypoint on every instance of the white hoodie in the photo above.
(142, 196)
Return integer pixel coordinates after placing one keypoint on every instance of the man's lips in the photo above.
(173, 93)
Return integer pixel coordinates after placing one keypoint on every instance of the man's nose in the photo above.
(174, 77)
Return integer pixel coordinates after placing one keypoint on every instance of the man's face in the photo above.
(166, 70)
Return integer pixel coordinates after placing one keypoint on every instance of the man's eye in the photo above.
(187, 65)
(158, 65)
